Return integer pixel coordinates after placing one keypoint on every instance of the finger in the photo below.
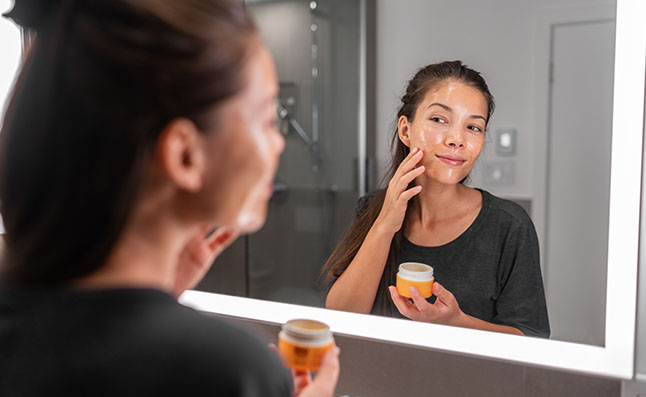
(301, 379)
(410, 176)
(209, 230)
(217, 234)
(443, 295)
(221, 239)
(226, 239)
(195, 249)
(409, 162)
(420, 302)
(402, 304)
(328, 374)
(410, 193)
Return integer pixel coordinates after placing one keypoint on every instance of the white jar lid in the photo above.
(415, 271)
(305, 331)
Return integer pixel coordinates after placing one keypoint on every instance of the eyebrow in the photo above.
(448, 109)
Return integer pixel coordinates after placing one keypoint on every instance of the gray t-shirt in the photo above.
(127, 342)
(492, 269)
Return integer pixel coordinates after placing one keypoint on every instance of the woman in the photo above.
(138, 143)
(484, 249)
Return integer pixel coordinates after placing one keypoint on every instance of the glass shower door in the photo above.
(316, 48)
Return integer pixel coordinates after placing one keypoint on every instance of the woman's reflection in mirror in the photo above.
(484, 249)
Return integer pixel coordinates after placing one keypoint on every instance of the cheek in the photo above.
(474, 146)
(252, 157)
(424, 138)
(258, 175)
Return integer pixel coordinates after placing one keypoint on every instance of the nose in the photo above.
(455, 138)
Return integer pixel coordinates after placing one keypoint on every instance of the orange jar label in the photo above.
(302, 358)
(424, 287)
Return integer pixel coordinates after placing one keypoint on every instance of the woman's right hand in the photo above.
(393, 211)
(326, 378)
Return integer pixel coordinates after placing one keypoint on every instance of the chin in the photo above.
(449, 180)
(251, 221)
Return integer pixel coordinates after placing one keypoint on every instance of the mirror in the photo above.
(542, 71)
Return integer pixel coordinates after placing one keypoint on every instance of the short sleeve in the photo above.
(521, 300)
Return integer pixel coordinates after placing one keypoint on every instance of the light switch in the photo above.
(499, 173)
(505, 141)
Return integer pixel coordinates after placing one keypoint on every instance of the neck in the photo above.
(146, 254)
(437, 201)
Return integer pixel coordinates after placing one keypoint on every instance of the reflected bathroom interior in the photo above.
(316, 47)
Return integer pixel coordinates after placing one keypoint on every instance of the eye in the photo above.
(475, 128)
(438, 120)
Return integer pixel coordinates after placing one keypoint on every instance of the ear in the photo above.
(403, 130)
(181, 154)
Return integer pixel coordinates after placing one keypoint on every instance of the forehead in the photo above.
(456, 94)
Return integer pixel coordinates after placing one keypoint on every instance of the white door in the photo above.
(578, 179)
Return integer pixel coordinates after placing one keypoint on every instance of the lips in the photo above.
(451, 160)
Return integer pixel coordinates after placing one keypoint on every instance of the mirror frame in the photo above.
(616, 358)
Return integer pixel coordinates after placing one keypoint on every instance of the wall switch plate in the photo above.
(506, 141)
(499, 173)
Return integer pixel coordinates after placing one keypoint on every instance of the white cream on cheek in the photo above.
(432, 142)
(261, 163)
(251, 213)
(249, 218)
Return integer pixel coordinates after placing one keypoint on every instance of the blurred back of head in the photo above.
(100, 82)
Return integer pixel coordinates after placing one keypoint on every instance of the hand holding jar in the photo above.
(445, 310)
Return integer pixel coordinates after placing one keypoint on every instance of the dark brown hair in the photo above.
(425, 79)
(99, 84)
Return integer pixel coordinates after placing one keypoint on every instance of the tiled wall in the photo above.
(375, 369)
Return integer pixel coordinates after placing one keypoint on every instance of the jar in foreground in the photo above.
(302, 343)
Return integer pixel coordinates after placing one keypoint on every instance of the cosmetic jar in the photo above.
(302, 343)
(413, 274)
